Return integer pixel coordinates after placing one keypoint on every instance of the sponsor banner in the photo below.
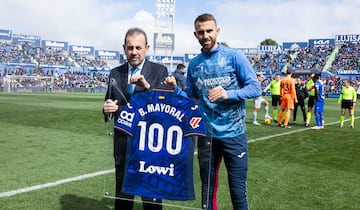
(269, 48)
(107, 54)
(54, 45)
(304, 71)
(348, 71)
(249, 51)
(56, 68)
(5, 34)
(91, 68)
(321, 42)
(164, 41)
(81, 50)
(123, 58)
(354, 38)
(29, 39)
(333, 95)
(294, 45)
(53, 66)
(175, 59)
(189, 56)
(19, 65)
(166, 59)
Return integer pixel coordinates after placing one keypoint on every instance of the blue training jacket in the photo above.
(231, 69)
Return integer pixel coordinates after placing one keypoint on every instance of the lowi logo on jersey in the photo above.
(153, 169)
(195, 121)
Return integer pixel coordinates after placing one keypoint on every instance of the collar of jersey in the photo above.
(211, 52)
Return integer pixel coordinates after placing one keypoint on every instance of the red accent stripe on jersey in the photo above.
(194, 134)
(164, 90)
(123, 130)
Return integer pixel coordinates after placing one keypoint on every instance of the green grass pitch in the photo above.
(45, 138)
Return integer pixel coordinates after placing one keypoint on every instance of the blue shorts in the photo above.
(319, 106)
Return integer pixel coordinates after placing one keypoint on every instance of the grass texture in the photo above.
(45, 138)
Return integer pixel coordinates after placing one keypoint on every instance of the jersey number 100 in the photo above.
(159, 129)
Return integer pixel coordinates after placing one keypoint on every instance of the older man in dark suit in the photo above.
(136, 75)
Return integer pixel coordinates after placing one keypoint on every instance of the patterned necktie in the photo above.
(131, 87)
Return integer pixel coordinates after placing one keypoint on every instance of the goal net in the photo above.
(16, 83)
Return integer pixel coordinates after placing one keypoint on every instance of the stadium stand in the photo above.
(72, 71)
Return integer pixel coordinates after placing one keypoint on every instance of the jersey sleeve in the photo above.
(195, 125)
(281, 88)
(341, 95)
(354, 95)
(293, 91)
(127, 119)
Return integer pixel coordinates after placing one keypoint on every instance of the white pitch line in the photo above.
(277, 135)
(99, 173)
(51, 184)
(291, 132)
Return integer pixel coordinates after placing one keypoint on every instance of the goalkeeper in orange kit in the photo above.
(288, 98)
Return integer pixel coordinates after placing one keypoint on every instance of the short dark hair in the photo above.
(180, 66)
(205, 17)
(133, 31)
(316, 77)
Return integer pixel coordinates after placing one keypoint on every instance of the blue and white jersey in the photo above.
(319, 96)
(319, 91)
(230, 69)
(160, 152)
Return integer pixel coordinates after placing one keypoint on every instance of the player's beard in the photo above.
(207, 44)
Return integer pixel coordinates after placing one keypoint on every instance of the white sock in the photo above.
(266, 110)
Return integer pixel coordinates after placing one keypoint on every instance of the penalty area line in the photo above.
(51, 184)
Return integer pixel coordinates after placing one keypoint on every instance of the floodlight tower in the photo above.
(164, 20)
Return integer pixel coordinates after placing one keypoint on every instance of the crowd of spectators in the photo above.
(26, 53)
(53, 81)
(79, 68)
(92, 80)
(50, 56)
(309, 58)
(270, 63)
(24, 59)
(348, 57)
(13, 53)
(86, 62)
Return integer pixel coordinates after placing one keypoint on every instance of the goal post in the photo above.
(17, 83)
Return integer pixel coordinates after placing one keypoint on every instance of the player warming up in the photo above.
(347, 101)
(221, 79)
(288, 97)
(319, 102)
(258, 101)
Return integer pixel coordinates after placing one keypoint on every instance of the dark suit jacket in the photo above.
(154, 73)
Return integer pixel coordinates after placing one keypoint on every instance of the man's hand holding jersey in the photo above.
(110, 106)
